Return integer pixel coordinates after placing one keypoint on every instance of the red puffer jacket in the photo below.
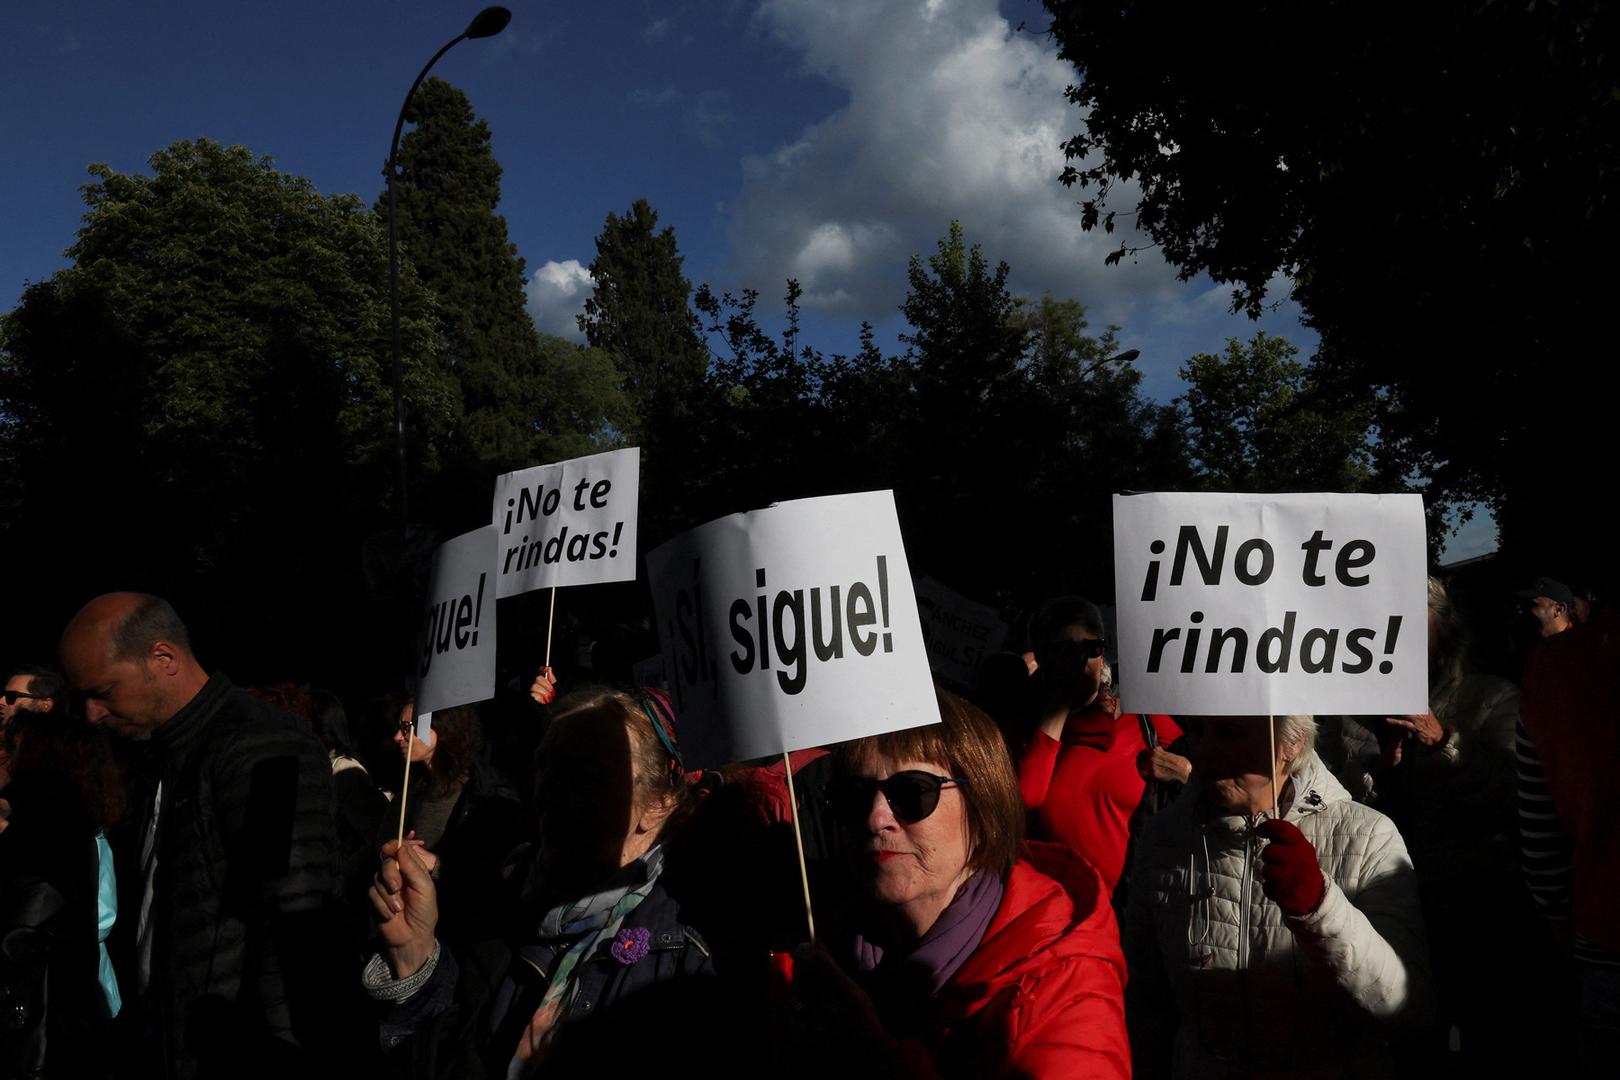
(1044, 993)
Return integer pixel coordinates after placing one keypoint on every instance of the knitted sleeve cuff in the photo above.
(381, 985)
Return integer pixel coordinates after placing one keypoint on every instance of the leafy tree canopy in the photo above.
(1435, 181)
(640, 312)
(524, 399)
(205, 389)
(1258, 420)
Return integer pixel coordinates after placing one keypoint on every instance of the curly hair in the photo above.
(460, 739)
(69, 746)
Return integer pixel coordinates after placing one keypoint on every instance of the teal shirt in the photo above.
(106, 916)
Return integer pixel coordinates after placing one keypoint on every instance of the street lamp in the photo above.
(1122, 359)
(487, 23)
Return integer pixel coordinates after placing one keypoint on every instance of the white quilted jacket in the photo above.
(1222, 984)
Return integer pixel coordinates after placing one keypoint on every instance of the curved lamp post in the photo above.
(487, 23)
(1122, 359)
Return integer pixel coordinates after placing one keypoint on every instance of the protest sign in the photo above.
(790, 627)
(649, 672)
(1233, 605)
(959, 632)
(455, 653)
(569, 523)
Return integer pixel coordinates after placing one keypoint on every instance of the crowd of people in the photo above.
(199, 879)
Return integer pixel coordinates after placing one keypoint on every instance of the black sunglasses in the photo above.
(1089, 649)
(912, 795)
(12, 696)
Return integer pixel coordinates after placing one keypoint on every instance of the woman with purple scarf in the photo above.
(588, 945)
(969, 953)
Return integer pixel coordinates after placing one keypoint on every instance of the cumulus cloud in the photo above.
(952, 114)
(557, 295)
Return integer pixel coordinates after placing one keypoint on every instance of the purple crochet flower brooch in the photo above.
(631, 944)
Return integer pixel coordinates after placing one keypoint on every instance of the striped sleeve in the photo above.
(1544, 846)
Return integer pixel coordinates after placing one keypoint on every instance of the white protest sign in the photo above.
(790, 627)
(1249, 605)
(569, 523)
(455, 655)
(959, 632)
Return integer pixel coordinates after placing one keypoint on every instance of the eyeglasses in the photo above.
(911, 795)
(11, 696)
(1089, 649)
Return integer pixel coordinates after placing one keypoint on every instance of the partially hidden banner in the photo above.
(1239, 605)
(959, 632)
(455, 651)
(790, 627)
(569, 523)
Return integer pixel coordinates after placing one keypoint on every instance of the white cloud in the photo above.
(951, 115)
(656, 30)
(557, 295)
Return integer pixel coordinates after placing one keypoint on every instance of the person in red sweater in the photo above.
(1087, 771)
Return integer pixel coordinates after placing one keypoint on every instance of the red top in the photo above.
(1569, 702)
(1082, 792)
(1043, 996)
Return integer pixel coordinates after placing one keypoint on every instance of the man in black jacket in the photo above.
(233, 853)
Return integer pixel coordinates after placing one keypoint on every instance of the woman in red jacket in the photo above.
(969, 953)
(1086, 771)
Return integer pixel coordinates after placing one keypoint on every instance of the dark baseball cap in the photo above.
(1551, 588)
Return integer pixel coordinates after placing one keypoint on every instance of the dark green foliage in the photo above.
(1003, 428)
(1437, 180)
(640, 313)
(200, 404)
(524, 400)
(1258, 420)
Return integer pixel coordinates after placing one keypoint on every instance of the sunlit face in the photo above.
(421, 750)
(919, 864)
(17, 684)
(1549, 614)
(1231, 755)
(123, 696)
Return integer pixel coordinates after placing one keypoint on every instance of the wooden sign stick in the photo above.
(550, 618)
(798, 842)
(1276, 802)
(405, 786)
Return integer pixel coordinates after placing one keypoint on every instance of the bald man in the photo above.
(234, 854)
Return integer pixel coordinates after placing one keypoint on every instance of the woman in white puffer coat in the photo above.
(1260, 947)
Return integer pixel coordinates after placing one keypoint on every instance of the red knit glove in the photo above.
(1289, 868)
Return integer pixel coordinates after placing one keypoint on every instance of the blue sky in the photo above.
(827, 140)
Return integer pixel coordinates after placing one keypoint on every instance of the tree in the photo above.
(1003, 429)
(640, 312)
(1258, 420)
(1434, 180)
(514, 387)
(200, 404)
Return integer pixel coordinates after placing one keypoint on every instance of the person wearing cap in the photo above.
(589, 946)
(1550, 603)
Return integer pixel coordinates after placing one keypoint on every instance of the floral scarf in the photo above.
(572, 932)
